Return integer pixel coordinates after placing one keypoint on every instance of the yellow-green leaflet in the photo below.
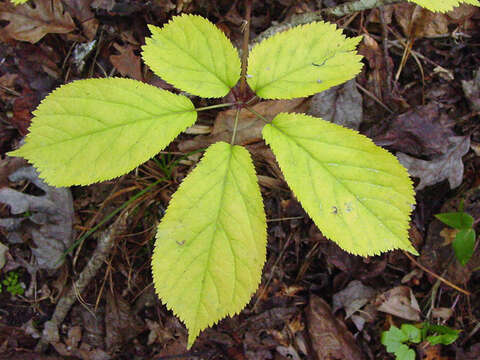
(302, 61)
(443, 5)
(194, 55)
(18, 2)
(98, 129)
(357, 193)
(210, 246)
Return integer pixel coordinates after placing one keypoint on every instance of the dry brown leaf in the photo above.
(418, 22)
(127, 63)
(330, 338)
(249, 127)
(400, 302)
(29, 23)
(80, 9)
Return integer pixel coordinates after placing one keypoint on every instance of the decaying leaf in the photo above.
(80, 9)
(49, 218)
(126, 62)
(471, 88)
(423, 131)
(121, 323)
(418, 22)
(400, 302)
(249, 126)
(341, 105)
(352, 298)
(28, 22)
(448, 166)
(329, 336)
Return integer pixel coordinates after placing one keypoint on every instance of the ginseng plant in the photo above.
(211, 244)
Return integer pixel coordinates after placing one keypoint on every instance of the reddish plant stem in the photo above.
(246, 39)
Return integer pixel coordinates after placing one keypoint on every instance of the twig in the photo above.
(445, 281)
(246, 39)
(104, 246)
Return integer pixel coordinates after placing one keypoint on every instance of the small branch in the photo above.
(246, 39)
(104, 246)
(445, 281)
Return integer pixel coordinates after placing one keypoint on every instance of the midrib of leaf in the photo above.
(96, 132)
(195, 60)
(227, 169)
(312, 156)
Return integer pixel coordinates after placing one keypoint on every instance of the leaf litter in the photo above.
(48, 219)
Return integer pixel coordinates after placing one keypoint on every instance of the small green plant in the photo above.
(398, 341)
(464, 243)
(211, 244)
(12, 285)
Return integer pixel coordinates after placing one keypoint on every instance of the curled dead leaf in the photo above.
(31, 22)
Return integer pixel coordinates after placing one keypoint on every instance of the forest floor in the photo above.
(315, 301)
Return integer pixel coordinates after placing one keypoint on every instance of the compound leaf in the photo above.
(443, 5)
(210, 246)
(357, 193)
(194, 55)
(97, 129)
(302, 61)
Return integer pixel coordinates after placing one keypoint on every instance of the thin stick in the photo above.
(445, 281)
(246, 39)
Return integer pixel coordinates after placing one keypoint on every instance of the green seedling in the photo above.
(464, 243)
(211, 244)
(12, 285)
(398, 341)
